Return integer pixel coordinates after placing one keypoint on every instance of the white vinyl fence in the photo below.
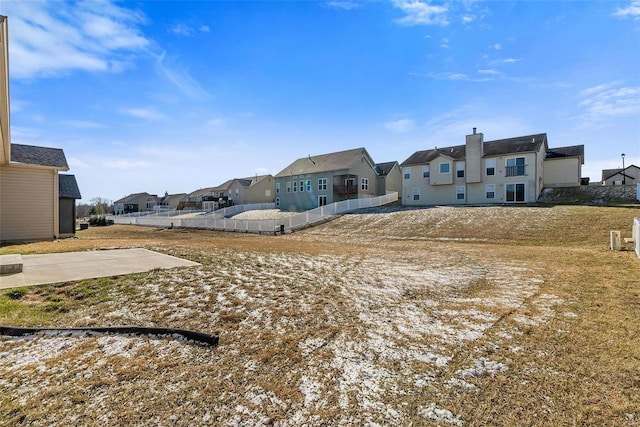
(636, 235)
(216, 221)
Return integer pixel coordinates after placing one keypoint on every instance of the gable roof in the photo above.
(39, 156)
(569, 151)
(325, 162)
(610, 173)
(68, 187)
(519, 144)
(383, 169)
(202, 192)
(132, 197)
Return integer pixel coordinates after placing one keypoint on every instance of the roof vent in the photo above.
(474, 131)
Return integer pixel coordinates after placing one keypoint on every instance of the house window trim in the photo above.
(322, 197)
(516, 167)
(490, 188)
(364, 184)
(515, 192)
(406, 173)
(448, 171)
(322, 184)
(277, 188)
(490, 165)
(416, 193)
(463, 193)
(288, 186)
(426, 172)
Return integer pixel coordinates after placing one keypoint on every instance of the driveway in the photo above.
(69, 266)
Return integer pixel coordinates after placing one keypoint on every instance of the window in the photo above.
(301, 185)
(322, 200)
(460, 169)
(267, 193)
(277, 202)
(407, 173)
(288, 187)
(236, 192)
(460, 192)
(295, 186)
(425, 171)
(364, 182)
(490, 191)
(515, 193)
(308, 184)
(515, 166)
(322, 184)
(277, 188)
(445, 167)
(490, 165)
(416, 193)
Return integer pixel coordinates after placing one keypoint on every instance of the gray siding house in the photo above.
(314, 181)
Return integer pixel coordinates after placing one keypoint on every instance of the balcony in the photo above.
(345, 189)
(518, 170)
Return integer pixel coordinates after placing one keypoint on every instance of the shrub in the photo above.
(97, 220)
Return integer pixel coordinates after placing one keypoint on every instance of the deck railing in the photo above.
(216, 220)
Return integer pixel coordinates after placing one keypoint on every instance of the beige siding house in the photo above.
(485, 172)
(137, 202)
(389, 177)
(563, 166)
(629, 176)
(29, 180)
(314, 181)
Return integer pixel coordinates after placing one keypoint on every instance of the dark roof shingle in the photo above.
(68, 187)
(41, 156)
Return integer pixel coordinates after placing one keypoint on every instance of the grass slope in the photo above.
(449, 316)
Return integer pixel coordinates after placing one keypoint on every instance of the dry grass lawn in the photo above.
(503, 316)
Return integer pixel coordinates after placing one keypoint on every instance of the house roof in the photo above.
(383, 169)
(68, 187)
(134, 196)
(569, 151)
(610, 173)
(40, 156)
(202, 192)
(520, 144)
(325, 162)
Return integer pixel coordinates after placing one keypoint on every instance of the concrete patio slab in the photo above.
(68, 266)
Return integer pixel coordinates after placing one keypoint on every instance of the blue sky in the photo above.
(162, 96)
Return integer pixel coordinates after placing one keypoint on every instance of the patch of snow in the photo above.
(434, 413)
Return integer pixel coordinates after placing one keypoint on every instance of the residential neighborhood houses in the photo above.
(512, 170)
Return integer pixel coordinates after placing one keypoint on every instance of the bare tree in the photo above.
(100, 205)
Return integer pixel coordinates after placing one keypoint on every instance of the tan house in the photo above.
(30, 191)
(483, 172)
(315, 181)
(137, 202)
(389, 177)
(171, 202)
(240, 191)
(628, 176)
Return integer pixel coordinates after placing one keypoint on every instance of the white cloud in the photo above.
(216, 122)
(467, 19)
(400, 126)
(180, 77)
(444, 43)
(630, 11)
(83, 124)
(419, 12)
(124, 164)
(182, 29)
(496, 46)
(143, 113)
(607, 100)
(54, 38)
(205, 28)
(343, 5)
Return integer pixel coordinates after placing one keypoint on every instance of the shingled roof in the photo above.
(325, 162)
(570, 151)
(68, 187)
(520, 144)
(383, 169)
(40, 156)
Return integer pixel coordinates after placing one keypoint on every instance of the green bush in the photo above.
(97, 220)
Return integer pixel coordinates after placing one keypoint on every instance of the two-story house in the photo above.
(136, 202)
(484, 172)
(314, 181)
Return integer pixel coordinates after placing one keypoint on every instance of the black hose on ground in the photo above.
(208, 339)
